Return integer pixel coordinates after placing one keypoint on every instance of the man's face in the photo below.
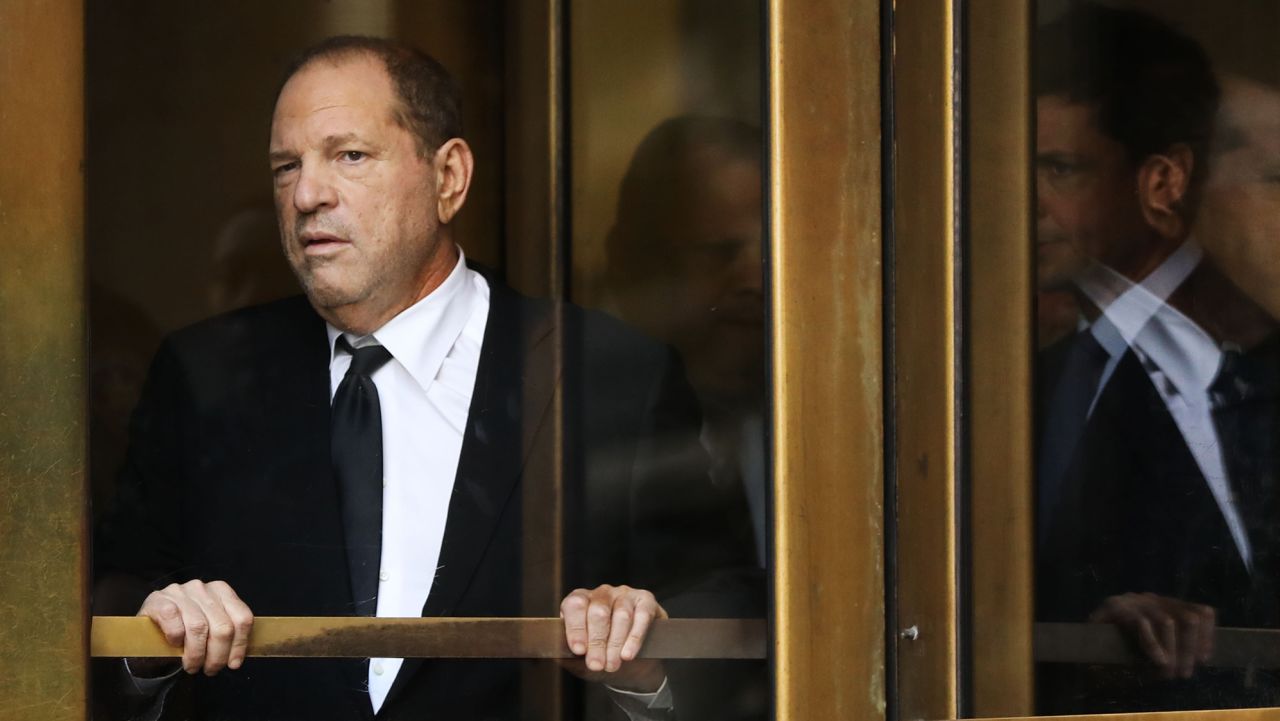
(715, 295)
(1239, 219)
(1087, 196)
(355, 199)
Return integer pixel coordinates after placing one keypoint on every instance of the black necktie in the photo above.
(1068, 413)
(357, 464)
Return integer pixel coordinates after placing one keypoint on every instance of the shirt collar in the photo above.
(421, 336)
(1138, 315)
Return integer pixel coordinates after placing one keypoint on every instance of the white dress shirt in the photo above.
(425, 394)
(1180, 358)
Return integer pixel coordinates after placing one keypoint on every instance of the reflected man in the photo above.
(1138, 521)
(684, 265)
(363, 450)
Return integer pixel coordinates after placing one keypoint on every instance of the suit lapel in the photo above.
(514, 384)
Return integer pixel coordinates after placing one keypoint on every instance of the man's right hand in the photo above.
(1174, 634)
(208, 620)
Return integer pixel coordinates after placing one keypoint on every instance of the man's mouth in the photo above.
(322, 243)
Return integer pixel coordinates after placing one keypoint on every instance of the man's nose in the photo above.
(314, 190)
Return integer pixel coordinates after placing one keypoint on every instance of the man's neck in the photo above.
(361, 319)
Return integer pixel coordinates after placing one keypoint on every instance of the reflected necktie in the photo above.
(357, 464)
(1068, 413)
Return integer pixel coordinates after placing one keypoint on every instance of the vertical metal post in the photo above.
(43, 538)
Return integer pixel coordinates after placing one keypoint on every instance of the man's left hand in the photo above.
(608, 625)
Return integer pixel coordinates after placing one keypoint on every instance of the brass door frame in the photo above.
(827, 369)
(925, 347)
(1000, 208)
(43, 498)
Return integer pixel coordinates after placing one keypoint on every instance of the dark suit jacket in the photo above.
(229, 478)
(1136, 515)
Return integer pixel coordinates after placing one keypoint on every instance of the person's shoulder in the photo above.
(252, 330)
(593, 332)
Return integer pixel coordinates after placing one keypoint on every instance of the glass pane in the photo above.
(474, 452)
(667, 235)
(1158, 374)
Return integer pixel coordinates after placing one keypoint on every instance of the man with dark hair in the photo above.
(1140, 518)
(368, 449)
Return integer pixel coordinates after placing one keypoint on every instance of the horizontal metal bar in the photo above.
(279, 636)
(1106, 644)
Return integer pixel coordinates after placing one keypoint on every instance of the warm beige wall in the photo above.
(625, 77)
(633, 65)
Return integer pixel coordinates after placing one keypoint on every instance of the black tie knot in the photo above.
(366, 359)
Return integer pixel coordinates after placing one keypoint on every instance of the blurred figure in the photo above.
(1239, 221)
(1147, 517)
(684, 265)
(248, 267)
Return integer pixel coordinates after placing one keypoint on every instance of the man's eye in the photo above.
(1057, 167)
(353, 156)
(283, 168)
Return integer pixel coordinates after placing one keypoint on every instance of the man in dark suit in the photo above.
(370, 449)
(1146, 517)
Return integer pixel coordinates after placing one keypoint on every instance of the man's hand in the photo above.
(1174, 634)
(608, 625)
(208, 620)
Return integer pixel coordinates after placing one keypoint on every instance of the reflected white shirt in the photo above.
(1180, 358)
(425, 394)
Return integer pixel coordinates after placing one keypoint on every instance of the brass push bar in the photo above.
(1105, 644)
(533, 638)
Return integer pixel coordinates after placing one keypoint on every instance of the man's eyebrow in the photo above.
(328, 143)
(332, 141)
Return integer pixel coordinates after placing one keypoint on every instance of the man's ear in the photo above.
(454, 165)
(1163, 180)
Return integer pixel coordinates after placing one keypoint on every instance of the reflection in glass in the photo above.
(667, 219)
(1159, 371)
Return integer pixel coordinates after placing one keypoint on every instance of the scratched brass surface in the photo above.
(824, 205)
(925, 346)
(1000, 206)
(531, 638)
(43, 665)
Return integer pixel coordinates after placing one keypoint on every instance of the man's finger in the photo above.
(599, 620)
(646, 611)
(197, 633)
(1167, 631)
(1209, 624)
(619, 630)
(573, 609)
(1188, 639)
(167, 615)
(241, 621)
(220, 629)
(1148, 643)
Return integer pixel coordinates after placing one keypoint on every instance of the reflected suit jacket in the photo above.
(229, 477)
(1137, 515)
